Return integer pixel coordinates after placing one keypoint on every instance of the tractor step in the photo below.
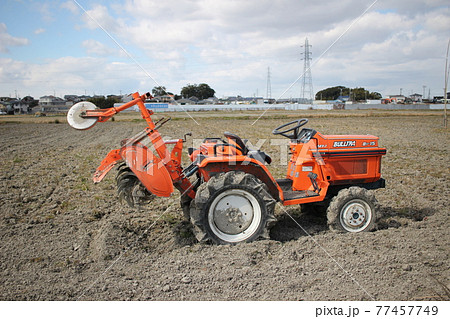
(289, 194)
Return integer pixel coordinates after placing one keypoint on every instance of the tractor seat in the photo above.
(241, 145)
(260, 156)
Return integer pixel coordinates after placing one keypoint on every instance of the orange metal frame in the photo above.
(104, 115)
(158, 173)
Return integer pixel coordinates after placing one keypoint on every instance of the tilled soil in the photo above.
(64, 238)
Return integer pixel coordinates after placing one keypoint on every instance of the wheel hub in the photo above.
(355, 215)
(233, 214)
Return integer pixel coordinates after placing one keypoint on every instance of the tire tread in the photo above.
(206, 190)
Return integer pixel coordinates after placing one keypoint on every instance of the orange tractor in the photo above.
(228, 192)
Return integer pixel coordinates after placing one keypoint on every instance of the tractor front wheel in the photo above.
(232, 207)
(354, 210)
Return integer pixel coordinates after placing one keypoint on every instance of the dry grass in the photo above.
(234, 115)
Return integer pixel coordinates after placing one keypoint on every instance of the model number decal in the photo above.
(344, 143)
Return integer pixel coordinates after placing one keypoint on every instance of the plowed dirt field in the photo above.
(64, 238)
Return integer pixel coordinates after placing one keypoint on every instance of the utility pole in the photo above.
(269, 86)
(307, 87)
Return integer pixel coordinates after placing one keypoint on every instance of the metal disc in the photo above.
(356, 215)
(74, 116)
(234, 215)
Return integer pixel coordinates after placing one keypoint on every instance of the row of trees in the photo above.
(356, 94)
(201, 91)
(104, 103)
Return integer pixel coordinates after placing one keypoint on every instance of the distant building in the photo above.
(185, 102)
(50, 103)
(78, 98)
(3, 109)
(194, 98)
(240, 100)
(163, 99)
(292, 100)
(343, 98)
(397, 99)
(416, 97)
(440, 99)
(20, 107)
(6, 107)
(208, 101)
(73, 98)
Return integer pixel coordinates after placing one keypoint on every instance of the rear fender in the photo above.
(211, 166)
(149, 169)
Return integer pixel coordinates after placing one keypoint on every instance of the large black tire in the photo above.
(232, 207)
(353, 209)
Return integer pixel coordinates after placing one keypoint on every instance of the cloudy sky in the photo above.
(57, 47)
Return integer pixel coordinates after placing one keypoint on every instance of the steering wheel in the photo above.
(291, 128)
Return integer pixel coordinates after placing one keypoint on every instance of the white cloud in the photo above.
(438, 21)
(233, 42)
(412, 7)
(99, 16)
(230, 43)
(97, 48)
(67, 75)
(39, 31)
(71, 6)
(7, 40)
(45, 9)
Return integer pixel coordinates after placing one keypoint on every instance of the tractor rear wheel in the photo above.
(354, 210)
(232, 207)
